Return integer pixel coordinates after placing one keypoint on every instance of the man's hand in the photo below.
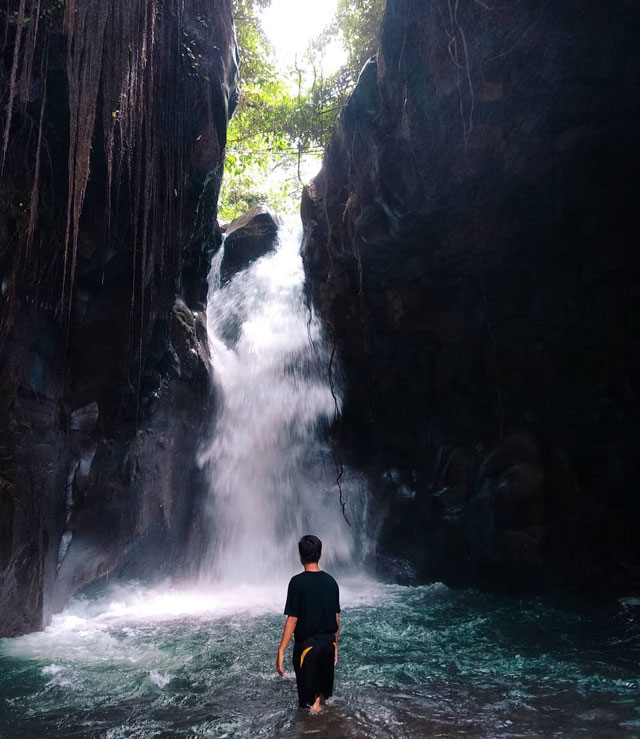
(289, 628)
(335, 643)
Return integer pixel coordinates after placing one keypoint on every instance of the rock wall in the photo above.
(112, 153)
(471, 244)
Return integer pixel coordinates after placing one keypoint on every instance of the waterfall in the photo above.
(271, 473)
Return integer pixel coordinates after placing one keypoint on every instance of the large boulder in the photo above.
(247, 238)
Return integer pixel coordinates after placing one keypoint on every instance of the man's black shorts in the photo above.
(313, 662)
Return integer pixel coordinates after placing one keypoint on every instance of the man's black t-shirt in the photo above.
(314, 598)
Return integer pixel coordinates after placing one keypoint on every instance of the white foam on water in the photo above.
(102, 628)
(52, 669)
(59, 674)
(157, 678)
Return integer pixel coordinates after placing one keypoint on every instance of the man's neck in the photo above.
(313, 567)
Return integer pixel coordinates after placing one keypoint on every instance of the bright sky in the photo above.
(291, 24)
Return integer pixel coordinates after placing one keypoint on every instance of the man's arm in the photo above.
(335, 641)
(289, 628)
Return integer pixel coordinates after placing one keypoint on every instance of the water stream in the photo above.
(197, 660)
(272, 474)
(414, 662)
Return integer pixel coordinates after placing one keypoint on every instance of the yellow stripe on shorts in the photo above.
(304, 654)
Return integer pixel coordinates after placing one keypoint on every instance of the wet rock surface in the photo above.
(470, 245)
(104, 371)
(247, 238)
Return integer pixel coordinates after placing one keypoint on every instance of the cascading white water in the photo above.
(272, 475)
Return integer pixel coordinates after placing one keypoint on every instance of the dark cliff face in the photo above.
(471, 244)
(112, 159)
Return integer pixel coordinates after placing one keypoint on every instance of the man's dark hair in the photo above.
(310, 548)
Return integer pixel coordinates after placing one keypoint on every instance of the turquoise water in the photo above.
(414, 662)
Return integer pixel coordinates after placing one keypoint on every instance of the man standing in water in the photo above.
(313, 618)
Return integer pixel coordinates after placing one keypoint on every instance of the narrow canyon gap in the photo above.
(468, 246)
(459, 371)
